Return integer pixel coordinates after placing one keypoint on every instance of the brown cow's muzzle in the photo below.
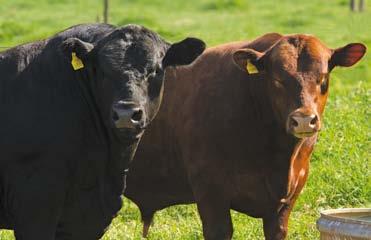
(302, 124)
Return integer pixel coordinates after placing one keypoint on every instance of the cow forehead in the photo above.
(301, 53)
(143, 38)
(138, 49)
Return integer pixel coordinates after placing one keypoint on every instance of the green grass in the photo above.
(340, 167)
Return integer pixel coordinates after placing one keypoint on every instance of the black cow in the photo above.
(73, 108)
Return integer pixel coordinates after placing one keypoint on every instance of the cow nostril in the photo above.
(294, 123)
(314, 120)
(137, 115)
(115, 116)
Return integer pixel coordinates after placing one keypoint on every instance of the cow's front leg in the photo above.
(275, 226)
(214, 209)
(38, 210)
(35, 197)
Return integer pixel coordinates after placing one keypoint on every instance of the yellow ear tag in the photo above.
(251, 67)
(76, 62)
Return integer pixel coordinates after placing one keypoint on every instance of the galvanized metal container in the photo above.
(345, 224)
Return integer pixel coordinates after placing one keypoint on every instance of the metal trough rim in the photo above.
(334, 221)
(333, 214)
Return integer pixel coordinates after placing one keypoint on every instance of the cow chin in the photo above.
(126, 124)
(301, 134)
(129, 133)
(304, 134)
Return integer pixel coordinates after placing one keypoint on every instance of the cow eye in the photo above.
(154, 72)
(151, 74)
(324, 83)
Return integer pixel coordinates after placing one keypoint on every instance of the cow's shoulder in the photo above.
(16, 59)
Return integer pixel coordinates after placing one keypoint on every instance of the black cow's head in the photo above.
(128, 65)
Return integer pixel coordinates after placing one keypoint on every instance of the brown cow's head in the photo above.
(297, 69)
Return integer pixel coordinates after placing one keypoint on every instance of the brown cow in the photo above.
(227, 138)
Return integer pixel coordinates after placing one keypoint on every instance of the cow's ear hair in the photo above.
(81, 48)
(183, 52)
(248, 60)
(347, 56)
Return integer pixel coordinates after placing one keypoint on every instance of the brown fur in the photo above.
(223, 138)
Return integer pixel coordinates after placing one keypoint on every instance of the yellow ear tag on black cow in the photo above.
(76, 62)
(251, 67)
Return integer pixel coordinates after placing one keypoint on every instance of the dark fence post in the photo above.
(105, 11)
(352, 5)
(361, 6)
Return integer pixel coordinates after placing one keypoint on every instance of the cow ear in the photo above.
(183, 52)
(249, 60)
(348, 55)
(76, 46)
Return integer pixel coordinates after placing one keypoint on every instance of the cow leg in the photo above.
(214, 210)
(275, 226)
(35, 196)
(39, 208)
(147, 218)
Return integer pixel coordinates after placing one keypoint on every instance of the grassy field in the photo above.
(340, 167)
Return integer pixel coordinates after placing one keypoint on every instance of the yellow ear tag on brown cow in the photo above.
(251, 67)
(76, 62)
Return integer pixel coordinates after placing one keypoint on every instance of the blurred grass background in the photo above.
(340, 167)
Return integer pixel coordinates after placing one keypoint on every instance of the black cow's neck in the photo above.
(121, 146)
(86, 83)
(108, 181)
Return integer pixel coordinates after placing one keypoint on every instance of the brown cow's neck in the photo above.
(283, 169)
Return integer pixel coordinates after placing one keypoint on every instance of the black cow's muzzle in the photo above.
(128, 115)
